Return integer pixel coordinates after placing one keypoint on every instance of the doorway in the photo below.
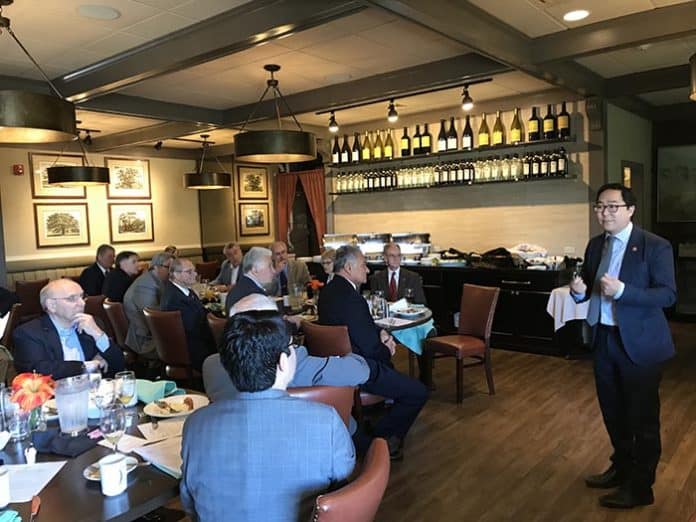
(303, 237)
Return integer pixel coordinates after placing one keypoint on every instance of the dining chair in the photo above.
(167, 330)
(117, 318)
(359, 500)
(217, 326)
(94, 307)
(208, 270)
(28, 294)
(12, 321)
(473, 338)
(340, 397)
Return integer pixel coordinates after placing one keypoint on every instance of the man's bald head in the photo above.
(253, 302)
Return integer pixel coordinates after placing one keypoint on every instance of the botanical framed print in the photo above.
(38, 163)
(129, 179)
(59, 225)
(131, 222)
(253, 219)
(252, 182)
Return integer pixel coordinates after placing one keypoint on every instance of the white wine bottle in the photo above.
(388, 146)
(366, 153)
(377, 147)
(484, 135)
(498, 130)
(516, 129)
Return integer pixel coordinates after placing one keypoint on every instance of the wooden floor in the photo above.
(521, 454)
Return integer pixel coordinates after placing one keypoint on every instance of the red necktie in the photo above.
(392, 288)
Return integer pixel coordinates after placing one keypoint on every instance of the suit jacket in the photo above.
(92, 279)
(348, 370)
(647, 270)
(247, 458)
(407, 279)
(298, 274)
(37, 347)
(245, 286)
(340, 303)
(225, 275)
(199, 338)
(146, 291)
(115, 285)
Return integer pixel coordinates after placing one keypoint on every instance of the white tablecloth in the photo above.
(563, 308)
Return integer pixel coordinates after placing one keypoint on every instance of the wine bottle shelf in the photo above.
(458, 184)
(435, 157)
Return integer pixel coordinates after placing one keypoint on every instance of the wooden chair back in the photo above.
(325, 341)
(208, 270)
(28, 294)
(340, 397)
(117, 318)
(12, 321)
(167, 329)
(359, 500)
(94, 306)
(217, 327)
(476, 310)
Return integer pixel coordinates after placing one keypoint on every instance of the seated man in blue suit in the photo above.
(341, 304)
(59, 342)
(628, 276)
(262, 455)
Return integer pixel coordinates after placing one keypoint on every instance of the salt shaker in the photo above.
(30, 455)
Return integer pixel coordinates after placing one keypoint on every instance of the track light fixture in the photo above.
(158, 145)
(333, 125)
(87, 140)
(392, 115)
(467, 100)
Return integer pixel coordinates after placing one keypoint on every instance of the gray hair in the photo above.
(346, 254)
(253, 302)
(177, 265)
(159, 259)
(254, 257)
(392, 244)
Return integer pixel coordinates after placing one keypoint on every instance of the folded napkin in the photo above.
(52, 441)
(396, 306)
(150, 391)
(10, 516)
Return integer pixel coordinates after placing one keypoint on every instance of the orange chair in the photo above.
(118, 320)
(12, 321)
(340, 397)
(473, 339)
(167, 330)
(28, 293)
(217, 326)
(359, 500)
(208, 270)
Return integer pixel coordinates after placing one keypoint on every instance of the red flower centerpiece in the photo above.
(30, 390)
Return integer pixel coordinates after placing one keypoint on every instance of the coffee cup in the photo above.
(114, 476)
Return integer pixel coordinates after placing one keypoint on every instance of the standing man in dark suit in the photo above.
(395, 280)
(60, 341)
(231, 269)
(178, 296)
(342, 304)
(92, 277)
(257, 271)
(628, 276)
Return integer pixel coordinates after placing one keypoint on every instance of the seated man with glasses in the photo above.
(146, 291)
(60, 341)
(179, 296)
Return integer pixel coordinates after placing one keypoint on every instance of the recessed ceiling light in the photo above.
(574, 16)
(98, 12)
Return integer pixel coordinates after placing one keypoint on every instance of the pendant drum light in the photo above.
(277, 145)
(207, 180)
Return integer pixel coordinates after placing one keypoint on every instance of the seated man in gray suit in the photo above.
(231, 269)
(289, 272)
(348, 370)
(146, 291)
(262, 455)
(396, 282)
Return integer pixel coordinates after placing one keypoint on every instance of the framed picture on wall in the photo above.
(252, 182)
(676, 184)
(59, 225)
(130, 179)
(131, 222)
(253, 219)
(38, 163)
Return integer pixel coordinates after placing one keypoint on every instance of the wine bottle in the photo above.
(405, 144)
(442, 138)
(527, 166)
(516, 129)
(468, 135)
(355, 153)
(426, 141)
(452, 138)
(484, 135)
(562, 162)
(366, 148)
(417, 141)
(388, 146)
(549, 124)
(544, 164)
(336, 152)
(345, 150)
(534, 126)
(536, 165)
(563, 122)
(377, 147)
(498, 130)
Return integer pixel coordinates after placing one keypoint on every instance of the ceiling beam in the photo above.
(677, 112)
(430, 76)
(649, 81)
(654, 25)
(230, 32)
(157, 132)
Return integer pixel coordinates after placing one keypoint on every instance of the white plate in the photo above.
(155, 411)
(409, 312)
(92, 473)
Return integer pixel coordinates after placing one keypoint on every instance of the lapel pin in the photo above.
(634, 249)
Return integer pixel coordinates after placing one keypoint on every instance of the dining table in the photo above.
(409, 329)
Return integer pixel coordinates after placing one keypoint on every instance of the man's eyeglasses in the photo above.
(72, 298)
(611, 208)
(188, 271)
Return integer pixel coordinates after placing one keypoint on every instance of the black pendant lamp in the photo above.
(27, 117)
(278, 145)
(207, 180)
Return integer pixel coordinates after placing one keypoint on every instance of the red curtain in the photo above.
(314, 188)
(285, 196)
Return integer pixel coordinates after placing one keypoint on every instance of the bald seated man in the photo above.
(60, 341)
(348, 370)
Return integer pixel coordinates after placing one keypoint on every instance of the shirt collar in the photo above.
(394, 271)
(185, 290)
(351, 282)
(624, 234)
(62, 331)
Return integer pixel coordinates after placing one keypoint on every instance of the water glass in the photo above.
(72, 401)
(104, 395)
(408, 294)
(112, 423)
(16, 421)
